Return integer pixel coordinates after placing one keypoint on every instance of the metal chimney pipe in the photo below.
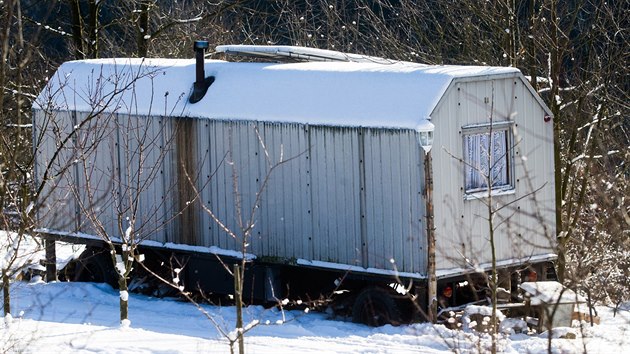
(201, 81)
(200, 49)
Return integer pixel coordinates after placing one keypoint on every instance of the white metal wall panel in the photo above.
(58, 204)
(312, 207)
(168, 179)
(95, 177)
(535, 160)
(379, 202)
(280, 229)
(57, 208)
(152, 193)
(283, 219)
(395, 209)
(461, 225)
(119, 162)
(221, 185)
(335, 195)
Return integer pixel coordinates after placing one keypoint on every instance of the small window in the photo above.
(488, 158)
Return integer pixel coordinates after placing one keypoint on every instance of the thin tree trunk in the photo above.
(493, 279)
(93, 29)
(124, 302)
(4, 53)
(6, 292)
(122, 284)
(532, 46)
(77, 29)
(431, 267)
(238, 296)
(491, 213)
(51, 259)
(143, 29)
(554, 71)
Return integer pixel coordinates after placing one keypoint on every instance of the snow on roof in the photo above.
(550, 292)
(399, 95)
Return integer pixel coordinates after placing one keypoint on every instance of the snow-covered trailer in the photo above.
(349, 200)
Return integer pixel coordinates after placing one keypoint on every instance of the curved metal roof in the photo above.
(368, 94)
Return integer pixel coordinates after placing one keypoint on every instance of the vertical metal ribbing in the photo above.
(362, 199)
(309, 178)
(75, 171)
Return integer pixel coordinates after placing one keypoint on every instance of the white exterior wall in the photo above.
(350, 196)
(316, 205)
(99, 170)
(526, 227)
(57, 207)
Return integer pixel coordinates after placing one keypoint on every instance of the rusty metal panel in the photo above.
(185, 167)
(167, 178)
(204, 174)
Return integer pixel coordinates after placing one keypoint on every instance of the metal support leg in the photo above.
(51, 259)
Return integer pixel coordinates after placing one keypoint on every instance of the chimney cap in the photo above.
(201, 45)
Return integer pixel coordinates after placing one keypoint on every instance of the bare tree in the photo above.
(122, 188)
(18, 57)
(104, 164)
(245, 222)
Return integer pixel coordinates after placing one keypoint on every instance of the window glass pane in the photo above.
(487, 160)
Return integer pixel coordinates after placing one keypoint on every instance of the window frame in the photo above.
(487, 128)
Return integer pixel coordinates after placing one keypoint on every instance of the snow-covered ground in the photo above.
(83, 317)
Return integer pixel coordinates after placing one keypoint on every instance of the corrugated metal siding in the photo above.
(334, 155)
(186, 169)
(346, 195)
(57, 206)
(167, 180)
(311, 208)
(100, 178)
(134, 176)
(285, 215)
(462, 227)
(96, 167)
(150, 135)
(394, 200)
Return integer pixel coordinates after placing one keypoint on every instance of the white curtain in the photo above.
(477, 149)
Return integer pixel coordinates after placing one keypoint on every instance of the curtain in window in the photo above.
(477, 148)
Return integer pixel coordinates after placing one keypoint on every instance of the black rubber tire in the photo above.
(376, 306)
(95, 265)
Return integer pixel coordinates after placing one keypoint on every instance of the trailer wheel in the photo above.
(96, 266)
(375, 306)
